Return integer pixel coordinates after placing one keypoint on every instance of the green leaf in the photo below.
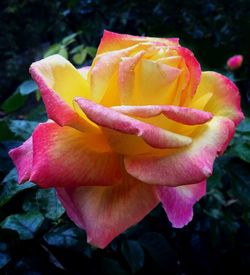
(91, 51)
(27, 87)
(111, 267)
(14, 102)
(38, 113)
(4, 258)
(9, 187)
(49, 203)
(241, 183)
(22, 128)
(5, 133)
(46, 202)
(80, 57)
(53, 49)
(38, 95)
(8, 242)
(19, 97)
(244, 126)
(159, 250)
(242, 150)
(63, 52)
(24, 224)
(215, 180)
(69, 39)
(4, 254)
(134, 255)
(76, 49)
(66, 236)
(215, 213)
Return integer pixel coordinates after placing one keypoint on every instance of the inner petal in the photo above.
(154, 81)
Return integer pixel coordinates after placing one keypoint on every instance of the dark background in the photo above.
(36, 237)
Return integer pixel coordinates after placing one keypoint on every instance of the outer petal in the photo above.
(22, 157)
(225, 99)
(114, 41)
(183, 115)
(59, 82)
(188, 165)
(105, 212)
(178, 201)
(154, 136)
(65, 157)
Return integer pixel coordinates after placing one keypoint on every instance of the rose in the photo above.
(235, 62)
(142, 125)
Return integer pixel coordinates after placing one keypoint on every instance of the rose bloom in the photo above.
(235, 62)
(142, 125)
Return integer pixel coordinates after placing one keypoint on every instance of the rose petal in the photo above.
(59, 82)
(112, 41)
(178, 201)
(102, 69)
(65, 157)
(154, 82)
(154, 136)
(195, 74)
(187, 165)
(225, 99)
(105, 212)
(84, 71)
(172, 60)
(183, 115)
(126, 77)
(22, 157)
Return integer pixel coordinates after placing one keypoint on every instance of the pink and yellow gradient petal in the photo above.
(178, 201)
(186, 165)
(22, 157)
(103, 68)
(115, 41)
(105, 212)
(224, 99)
(109, 118)
(194, 70)
(154, 82)
(184, 115)
(59, 82)
(64, 156)
(126, 77)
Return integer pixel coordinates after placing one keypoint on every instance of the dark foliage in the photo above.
(36, 237)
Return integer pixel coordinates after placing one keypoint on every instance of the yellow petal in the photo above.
(225, 99)
(62, 77)
(154, 81)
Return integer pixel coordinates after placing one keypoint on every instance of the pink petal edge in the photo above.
(22, 157)
(154, 136)
(188, 165)
(65, 157)
(178, 201)
(179, 114)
